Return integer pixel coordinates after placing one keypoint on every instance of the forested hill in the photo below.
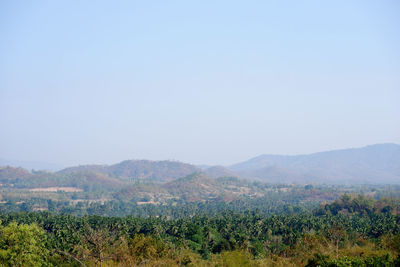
(375, 164)
(158, 171)
(371, 164)
(219, 171)
(196, 187)
(98, 177)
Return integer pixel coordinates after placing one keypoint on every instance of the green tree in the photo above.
(23, 245)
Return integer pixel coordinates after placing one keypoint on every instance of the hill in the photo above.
(98, 177)
(194, 187)
(371, 164)
(157, 171)
(85, 180)
(219, 171)
(10, 175)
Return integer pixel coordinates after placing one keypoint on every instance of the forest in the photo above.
(353, 230)
(131, 214)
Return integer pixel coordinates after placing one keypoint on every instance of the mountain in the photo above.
(158, 171)
(371, 164)
(278, 174)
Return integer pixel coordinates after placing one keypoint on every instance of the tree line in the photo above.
(351, 231)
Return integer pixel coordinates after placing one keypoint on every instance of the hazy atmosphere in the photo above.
(200, 133)
(211, 82)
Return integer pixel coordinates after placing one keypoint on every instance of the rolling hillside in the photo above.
(157, 171)
(85, 180)
(11, 175)
(219, 171)
(371, 164)
(375, 164)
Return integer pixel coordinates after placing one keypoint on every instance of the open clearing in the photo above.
(55, 189)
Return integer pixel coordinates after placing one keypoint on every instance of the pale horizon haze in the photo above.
(203, 82)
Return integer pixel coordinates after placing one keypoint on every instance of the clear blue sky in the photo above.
(212, 82)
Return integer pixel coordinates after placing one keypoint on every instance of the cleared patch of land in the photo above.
(56, 189)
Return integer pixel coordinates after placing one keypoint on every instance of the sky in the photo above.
(205, 82)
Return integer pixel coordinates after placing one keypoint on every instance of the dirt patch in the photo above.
(55, 189)
(147, 202)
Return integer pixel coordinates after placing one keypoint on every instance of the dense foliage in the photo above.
(98, 215)
(352, 231)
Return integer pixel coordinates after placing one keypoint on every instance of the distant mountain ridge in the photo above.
(371, 164)
(378, 163)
